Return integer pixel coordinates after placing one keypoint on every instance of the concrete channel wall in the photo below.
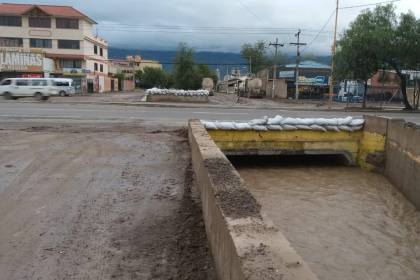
(244, 242)
(403, 159)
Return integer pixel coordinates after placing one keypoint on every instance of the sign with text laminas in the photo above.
(20, 61)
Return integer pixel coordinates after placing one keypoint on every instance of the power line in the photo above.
(367, 5)
(319, 33)
(249, 10)
(201, 28)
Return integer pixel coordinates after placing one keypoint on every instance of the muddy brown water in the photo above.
(346, 223)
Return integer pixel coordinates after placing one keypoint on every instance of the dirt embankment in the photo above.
(107, 202)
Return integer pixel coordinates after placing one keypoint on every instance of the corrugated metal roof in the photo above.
(53, 10)
(310, 65)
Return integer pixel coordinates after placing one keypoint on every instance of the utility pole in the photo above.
(276, 45)
(330, 97)
(298, 44)
(227, 81)
(250, 65)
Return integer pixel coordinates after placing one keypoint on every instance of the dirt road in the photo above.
(99, 202)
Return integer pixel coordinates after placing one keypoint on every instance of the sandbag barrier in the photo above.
(177, 92)
(279, 123)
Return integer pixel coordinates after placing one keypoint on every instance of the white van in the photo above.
(65, 86)
(40, 88)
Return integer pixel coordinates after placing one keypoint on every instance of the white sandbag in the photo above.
(262, 121)
(225, 125)
(318, 127)
(345, 128)
(344, 121)
(275, 127)
(357, 122)
(275, 121)
(306, 121)
(289, 121)
(289, 127)
(303, 127)
(242, 126)
(209, 125)
(326, 122)
(322, 122)
(332, 128)
(259, 127)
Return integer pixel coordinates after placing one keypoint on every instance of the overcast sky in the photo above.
(132, 23)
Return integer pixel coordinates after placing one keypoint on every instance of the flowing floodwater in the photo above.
(346, 223)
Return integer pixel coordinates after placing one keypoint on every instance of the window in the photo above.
(43, 22)
(67, 23)
(95, 49)
(6, 82)
(39, 83)
(101, 68)
(10, 21)
(11, 42)
(70, 63)
(101, 51)
(22, 82)
(69, 44)
(61, 84)
(95, 66)
(41, 43)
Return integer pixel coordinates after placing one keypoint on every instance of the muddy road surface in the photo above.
(99, 202)
(346, 223)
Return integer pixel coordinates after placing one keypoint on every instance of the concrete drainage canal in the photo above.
(325, 204)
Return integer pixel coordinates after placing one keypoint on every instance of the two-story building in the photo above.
(51, 40)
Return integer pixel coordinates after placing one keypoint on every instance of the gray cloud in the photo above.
(123, 22)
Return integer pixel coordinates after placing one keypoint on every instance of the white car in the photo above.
(40, 88)
(65, 86)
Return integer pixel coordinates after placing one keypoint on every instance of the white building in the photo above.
(61, 36)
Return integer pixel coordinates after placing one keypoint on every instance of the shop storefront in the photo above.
(21, 64)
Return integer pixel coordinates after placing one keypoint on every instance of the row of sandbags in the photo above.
(177, 92)
(287, 123)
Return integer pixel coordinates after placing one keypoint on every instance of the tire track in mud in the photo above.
(117, 203)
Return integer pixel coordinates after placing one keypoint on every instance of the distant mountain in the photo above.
(216, 60)
(213, 59)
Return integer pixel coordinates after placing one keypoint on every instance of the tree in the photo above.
(184, 67)
(404, 51)
(379, 39)
(188, 75)
(356, 56)
(153, 77)
(256, 54)
(203, 71)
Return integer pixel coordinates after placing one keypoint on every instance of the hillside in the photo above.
(214, 59)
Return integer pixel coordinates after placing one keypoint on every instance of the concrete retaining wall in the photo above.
(244, 242)
(174, 98)
(403, 159)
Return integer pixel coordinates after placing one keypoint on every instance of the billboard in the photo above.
(316, 81)
(20, 61)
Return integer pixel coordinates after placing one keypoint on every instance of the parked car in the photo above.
(65, 86)
(40, 88)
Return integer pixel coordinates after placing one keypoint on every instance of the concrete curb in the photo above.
(210, 106)
(244, 242)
